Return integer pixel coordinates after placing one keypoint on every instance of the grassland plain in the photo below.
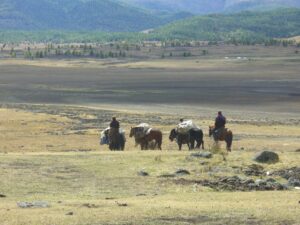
(51, 153)
(52, 111)
(239, 79)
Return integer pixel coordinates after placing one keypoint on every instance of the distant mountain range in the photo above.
(86, 15)
(211, 6)
(116, 15)
(170, 19)
(192, 6)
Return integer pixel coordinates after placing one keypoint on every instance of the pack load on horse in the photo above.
(188, 133)
(185, 126)
(146, 137)
(105, 140)
(114, 136)
(142, 130)
(219, 132)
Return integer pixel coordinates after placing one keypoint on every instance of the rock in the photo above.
(69, 214)
(182, 172)
(271, 180)
(39, 204)
(267, 157)
(143, 173)
(167, 175)
(2, 196)
(140, 194)
(298, 150)
(122, 204)
(90, 206)
(294, 182)
(252, 186)
(248, 181)
(260, 182)
(291, 174)
(254, 170)
(206, 155)
(236, 183)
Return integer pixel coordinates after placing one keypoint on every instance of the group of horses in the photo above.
(193, 138)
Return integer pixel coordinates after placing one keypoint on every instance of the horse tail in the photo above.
(229, 138)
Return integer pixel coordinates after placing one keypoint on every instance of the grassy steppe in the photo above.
(52, 111)
(43, 159)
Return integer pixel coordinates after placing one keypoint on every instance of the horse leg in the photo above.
(159, 143)
(180, 146)
(198, 144)
(228, 140)
(202, 145)
(192, 144)
(189, 145)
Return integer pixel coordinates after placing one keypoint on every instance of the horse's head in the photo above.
(211, 129)
(132, 132)
(173, 135)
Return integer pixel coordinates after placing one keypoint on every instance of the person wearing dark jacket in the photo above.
(114, 133)
(220, 121)
(114, 123)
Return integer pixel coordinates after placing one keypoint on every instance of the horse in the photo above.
(145, 139)
(194, 135)
(226, 136)
(115, 140)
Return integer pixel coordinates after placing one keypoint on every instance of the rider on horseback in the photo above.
(220, 123)
(114, 132)
(114, 123)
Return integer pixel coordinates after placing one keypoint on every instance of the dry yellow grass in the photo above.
(90, 184)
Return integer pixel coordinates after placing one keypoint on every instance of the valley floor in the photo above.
(52, 113)
(51, 153)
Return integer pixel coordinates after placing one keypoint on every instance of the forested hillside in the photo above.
(77, 15)
(244, 26)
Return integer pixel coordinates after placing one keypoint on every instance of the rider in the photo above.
(114, 123)
(181, 120)
(114, 129)
(220, 123)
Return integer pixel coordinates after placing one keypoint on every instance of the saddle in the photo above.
(219, 133)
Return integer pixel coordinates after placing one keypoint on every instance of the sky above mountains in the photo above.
(211, 6)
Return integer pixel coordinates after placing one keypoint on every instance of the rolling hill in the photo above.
(79, 15)
(248, 26)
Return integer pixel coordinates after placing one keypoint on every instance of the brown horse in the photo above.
(144, 140)
(226, 136)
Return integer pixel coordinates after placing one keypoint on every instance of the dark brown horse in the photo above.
(226, 135)
(190, 138)
(145, 139)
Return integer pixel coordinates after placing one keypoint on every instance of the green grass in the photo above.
(71, 181)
